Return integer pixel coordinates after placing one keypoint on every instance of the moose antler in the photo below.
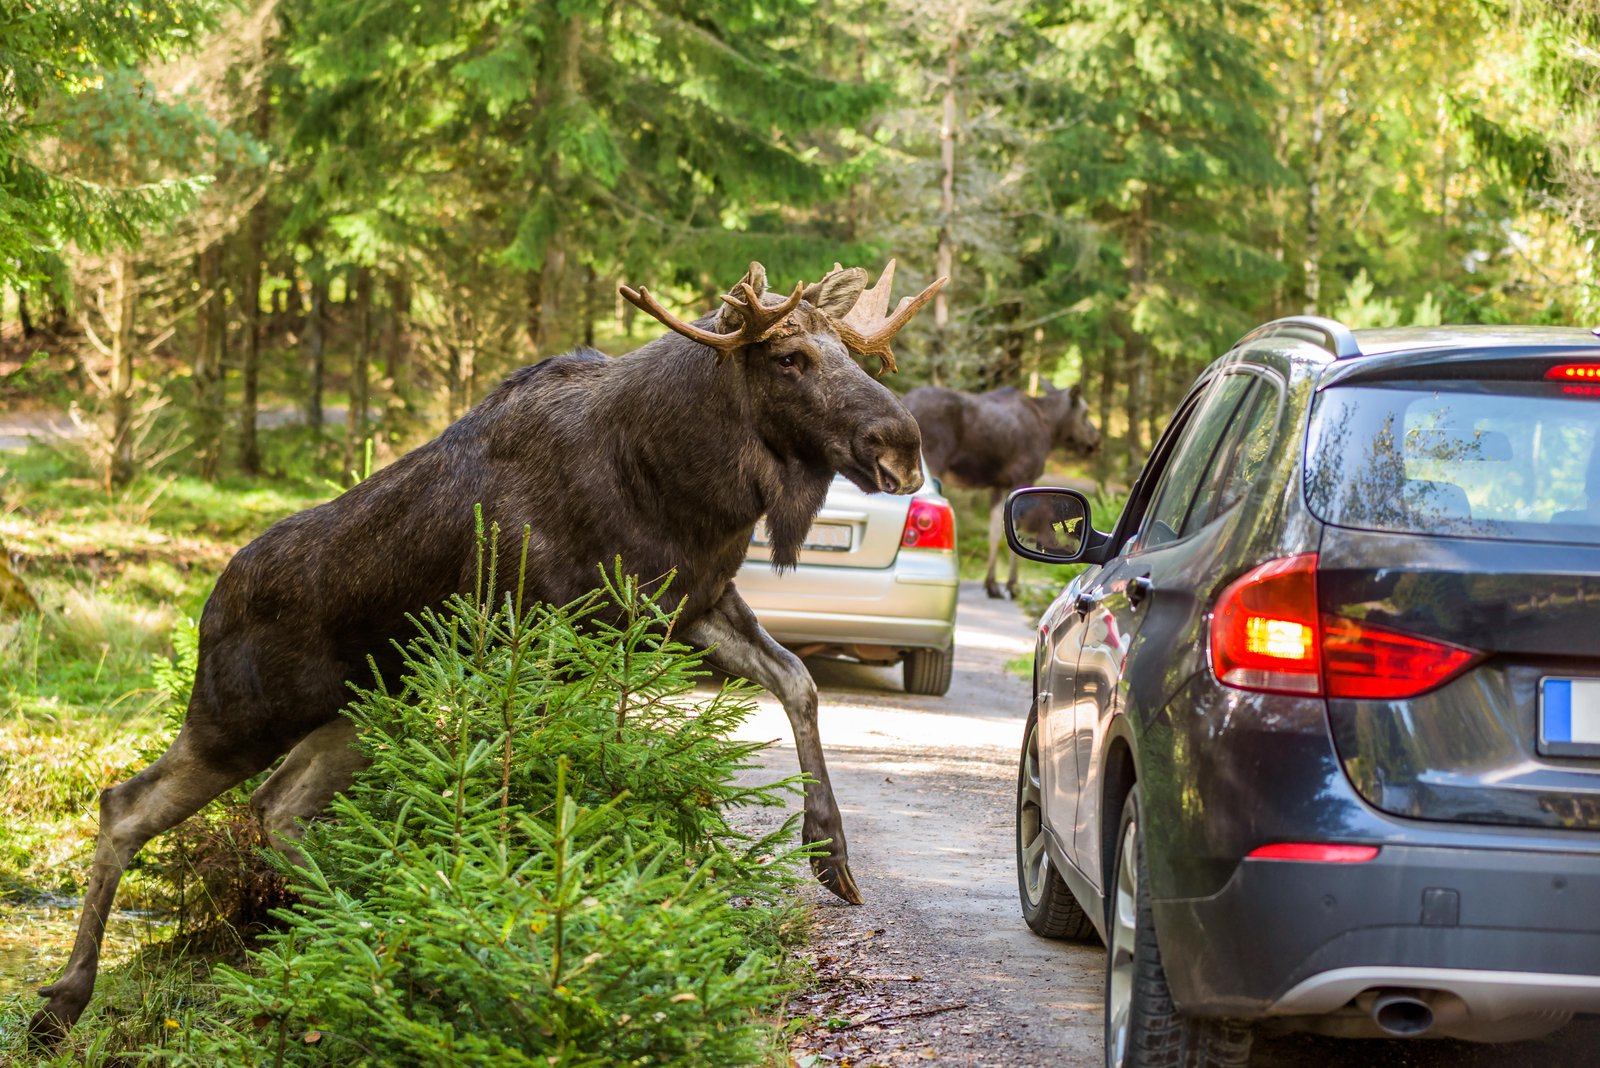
(758, 321)
(867, 328)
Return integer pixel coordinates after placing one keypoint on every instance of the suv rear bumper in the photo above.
(1506, 933)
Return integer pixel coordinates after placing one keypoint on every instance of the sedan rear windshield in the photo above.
(1516, 461)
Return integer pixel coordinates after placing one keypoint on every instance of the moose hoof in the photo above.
(48, 1027)
(993, 590)
(835, 875)
(1011, 590)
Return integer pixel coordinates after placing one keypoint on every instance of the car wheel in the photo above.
(927, 671)
(1143, 1028)
(1047, 904)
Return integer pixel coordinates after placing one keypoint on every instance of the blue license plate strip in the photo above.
(1569, 717)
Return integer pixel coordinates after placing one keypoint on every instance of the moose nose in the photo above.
(904, 481)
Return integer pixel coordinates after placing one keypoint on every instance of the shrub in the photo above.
(536, 869)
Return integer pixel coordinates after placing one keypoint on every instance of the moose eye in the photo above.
(788, 360)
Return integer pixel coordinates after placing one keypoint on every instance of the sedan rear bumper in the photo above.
(1495, 933)
(911, 605)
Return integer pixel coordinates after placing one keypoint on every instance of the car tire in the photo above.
(1143, 1029)
(1048, 905)
(928, 671)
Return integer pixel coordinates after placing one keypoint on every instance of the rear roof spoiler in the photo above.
(1330, 334)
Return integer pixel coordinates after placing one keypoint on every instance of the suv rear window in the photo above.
(1516, 461)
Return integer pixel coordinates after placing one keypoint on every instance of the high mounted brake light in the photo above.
(1268, 635)
(1574, 372)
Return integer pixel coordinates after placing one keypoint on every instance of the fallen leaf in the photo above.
(313, 1037)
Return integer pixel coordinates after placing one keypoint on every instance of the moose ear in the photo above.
(728, 318)
(838, 291)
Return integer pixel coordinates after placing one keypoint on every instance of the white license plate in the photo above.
(1569, 716)
(822, 537)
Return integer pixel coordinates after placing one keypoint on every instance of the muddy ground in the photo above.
(938, 966)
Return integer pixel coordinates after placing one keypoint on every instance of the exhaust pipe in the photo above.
(1402, 1014)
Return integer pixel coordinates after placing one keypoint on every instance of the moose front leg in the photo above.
(997, 544)
(736, 643)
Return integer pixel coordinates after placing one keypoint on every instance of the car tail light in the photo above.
(1264, 629)
(929, 525)
(1318, 852)
(1268, 635)
(1362, 660)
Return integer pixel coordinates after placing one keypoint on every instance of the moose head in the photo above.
(792, 359)
(1068, 414)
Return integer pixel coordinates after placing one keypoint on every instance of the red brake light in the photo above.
(929, 525)
(1574, 372)
(1267, 634)
(1264, 629)
(1363, 660)
(1319, 852)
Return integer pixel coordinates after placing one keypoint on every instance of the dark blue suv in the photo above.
(1316, 739)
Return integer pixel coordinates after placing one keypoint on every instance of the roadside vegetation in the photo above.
(540, 856)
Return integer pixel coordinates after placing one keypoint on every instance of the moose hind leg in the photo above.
(159, 798)
(322, 764)
(739, 646)
(997, 537)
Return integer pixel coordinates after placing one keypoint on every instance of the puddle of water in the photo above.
(36, 939)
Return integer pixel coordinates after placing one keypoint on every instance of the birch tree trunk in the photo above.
(1314, 164)
(947, 197)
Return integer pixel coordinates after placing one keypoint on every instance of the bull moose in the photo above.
(665, 458)
(999, 441)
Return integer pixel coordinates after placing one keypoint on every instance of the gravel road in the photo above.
(938, 965)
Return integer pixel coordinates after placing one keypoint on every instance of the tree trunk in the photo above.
(28, 329)
(590, 304)
(315, 343)
(1107, 394)
(210, 329)
(1136, 345)
(250, 365)
(14, 596)
(124, 297)
(355, 423)
(947, 198)
(1314, 163)
(396, 342)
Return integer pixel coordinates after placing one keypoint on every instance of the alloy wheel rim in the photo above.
(1124, 931)
(1032, 860)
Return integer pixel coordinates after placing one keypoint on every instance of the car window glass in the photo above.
(1240, 459)
(1515, 461)
(1192, 460)
(1133, 513)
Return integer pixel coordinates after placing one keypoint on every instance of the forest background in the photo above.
(255, 248)
(207, 209)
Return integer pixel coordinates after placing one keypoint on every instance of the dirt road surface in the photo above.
(938, 966)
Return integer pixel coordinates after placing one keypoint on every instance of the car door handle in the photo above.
(1138, 589)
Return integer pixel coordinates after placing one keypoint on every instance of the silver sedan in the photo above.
(876, 582)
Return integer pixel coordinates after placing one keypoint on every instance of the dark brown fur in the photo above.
(998, 441)
(665, 458)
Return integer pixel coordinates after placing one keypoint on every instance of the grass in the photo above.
(81, 709)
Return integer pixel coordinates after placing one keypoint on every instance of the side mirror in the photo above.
(1052, 526)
